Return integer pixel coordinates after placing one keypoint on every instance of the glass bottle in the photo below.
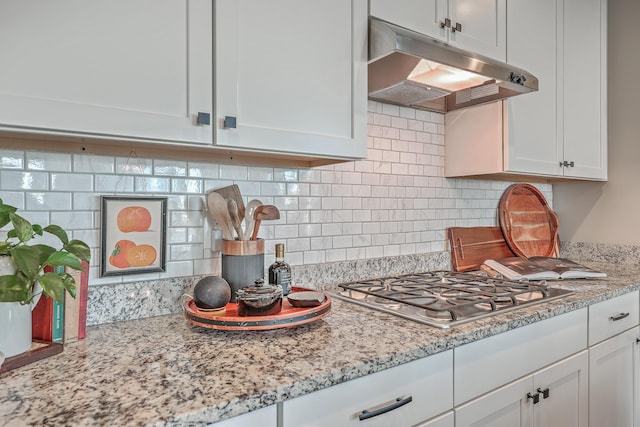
(280, 271)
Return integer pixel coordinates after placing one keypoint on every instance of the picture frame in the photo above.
(133, 235)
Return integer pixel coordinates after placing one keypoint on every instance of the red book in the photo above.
(82, 295)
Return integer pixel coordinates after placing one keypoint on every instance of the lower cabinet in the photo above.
(614, 381)
(405, 395)
(264, 417)
(556, 396)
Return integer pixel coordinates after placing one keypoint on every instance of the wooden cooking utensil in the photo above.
(235, 218)
(263, 213)
(232, 192)
(217, 206)
(248, 217)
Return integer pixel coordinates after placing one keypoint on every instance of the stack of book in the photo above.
(66, 322)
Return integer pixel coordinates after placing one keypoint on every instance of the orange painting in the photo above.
(133, 235)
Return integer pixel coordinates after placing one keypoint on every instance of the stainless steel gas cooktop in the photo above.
(445, 298)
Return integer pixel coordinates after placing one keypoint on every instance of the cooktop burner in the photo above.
(446, 298)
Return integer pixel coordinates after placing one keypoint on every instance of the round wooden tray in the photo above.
(529, 226)
(230, 321)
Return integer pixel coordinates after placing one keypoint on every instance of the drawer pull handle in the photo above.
(399, 402)
(619, 317)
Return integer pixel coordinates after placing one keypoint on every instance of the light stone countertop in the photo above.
(164, 371)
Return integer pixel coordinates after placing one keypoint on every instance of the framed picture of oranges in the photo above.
(133, 235)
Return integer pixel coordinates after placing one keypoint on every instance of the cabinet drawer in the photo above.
(608, 318)
(428, 382)
(487, 364)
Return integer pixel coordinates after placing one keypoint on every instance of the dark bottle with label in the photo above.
(280, 271)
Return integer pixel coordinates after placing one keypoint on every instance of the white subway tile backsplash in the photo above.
(48, 201)
(71, 182)
(396, 202)
(113, 184)
(169, 168)
(134, 165)
(17, 180)
(11, 159)
(38, 160)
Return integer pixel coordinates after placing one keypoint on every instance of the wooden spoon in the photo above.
(217, 206)
(248, 217)
(232, 207)
(263, 213)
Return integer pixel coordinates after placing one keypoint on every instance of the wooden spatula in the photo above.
(232, 192)
(263, 213)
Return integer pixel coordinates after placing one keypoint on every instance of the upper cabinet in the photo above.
(124, 69)
(475, 25)
(291, 76)
(280, 77)
(557, 132)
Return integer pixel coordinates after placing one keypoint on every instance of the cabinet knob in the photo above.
(446, 23)
(204, 118)
(534, 397)
(229, 122)
(457, 27)
(567, 164)
(545, 392)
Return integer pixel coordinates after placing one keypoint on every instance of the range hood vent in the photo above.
(411, 69)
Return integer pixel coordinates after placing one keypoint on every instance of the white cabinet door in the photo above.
(584, 88)
(483, 26)
(293, 75)
(127, 69)
(264, 417)
(446, 420)
(563, 394)
(523, 402)
(413, 392)
(423, 16)
(482, 23)
(506, 407)
(614, 381)
(565, 121)
(531, 129)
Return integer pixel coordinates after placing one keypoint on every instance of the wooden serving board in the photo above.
(471, 246)
(529, 226)
(229, 319)
(38, 351)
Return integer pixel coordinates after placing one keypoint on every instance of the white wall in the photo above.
(394, 203)
(608, 212)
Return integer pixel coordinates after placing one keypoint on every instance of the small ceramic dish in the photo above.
(306, 298)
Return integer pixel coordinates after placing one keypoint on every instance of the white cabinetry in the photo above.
(292, 76)
(116, 69)
(478, 26)
(264, 417)
(535, 134)
(403, 396)
(614, 362)
(556, 396)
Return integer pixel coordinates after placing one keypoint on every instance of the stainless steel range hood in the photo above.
(411, 69)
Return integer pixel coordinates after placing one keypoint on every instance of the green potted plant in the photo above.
(22, 265)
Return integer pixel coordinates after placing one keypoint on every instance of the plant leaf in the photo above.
(27, 260)
(5, 210)
(53, 286)
(69, 284)
(23, 228)
(58, 232)
(79, 249)
(66, 259)
(11, 289)
(37, 229)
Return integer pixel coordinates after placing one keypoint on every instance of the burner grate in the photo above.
(444, 298)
